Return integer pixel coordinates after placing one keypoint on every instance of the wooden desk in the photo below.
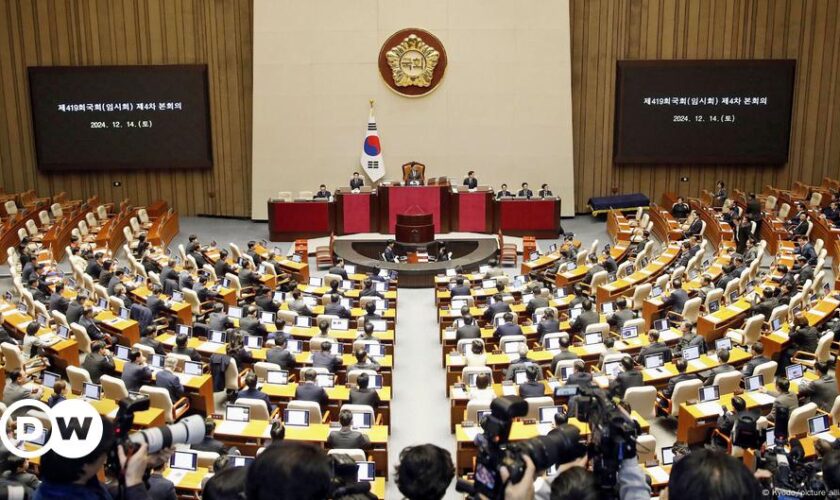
(61, 354)
(153, 417)
(611, 291)
(127, 330)
(198, 388)
(180, 310)
(338, 395)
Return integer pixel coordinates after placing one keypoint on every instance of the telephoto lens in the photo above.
(557, 447)
(188, 431)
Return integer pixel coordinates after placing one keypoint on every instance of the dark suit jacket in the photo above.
(336, 309)
(338, 271)
(507, 329)
(535, 304)
(364, 397)
(252, 326)
(624, 381)
(256, 394)
(585, 319)
(673, 381)
(579, 379)
(531, 389)
(155, 304)
(525, 193)
(468, 332)
(471, 183)
(171, 383)
(188, 351)
(98, 365)
(74, 312)
(710, 380)
(326, 360)
(460, 291)
(310, 391)
(266, 303)
(93, 269)
(561, 356)
(750, 366)
(547, 326)
(676, 300)
(356, 183)
(654, 348)
(222, 268)
(694, 228)
(161, 488)
(218, 321)
(822, 391)
(282, 357)
(58, 303)
(348, 439)
(135, 376)
(389, 255)
(805, 339)
(494, 309)
(765, 307)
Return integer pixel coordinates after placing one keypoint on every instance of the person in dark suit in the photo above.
(210, 443)
(346, 437)
(147, 338)
(800, 227)
(460, 289)
(753, 213)
(222, 267)
(720, 194)
(579, 376)
(94, 266)
(629, 377)
(338, 269)
(498, 306)
(743, 232)
(532, 388)
(363, 361)
(675, 301)
(218, 319)
(155, 304)
(545, 192)
(265, 300)
(160, 488)
(310, 391)
(335, 308)
(758, 358)
(803, 337)
(525, 192)
(322, 193)
(135, 372)
(99, 362)
(414, 178)
(469, 330)
(325, 359)
(362, 395)
(368, 290)
(194, 251)
(167, 379)
(247, 276)
(594, 268)
(822, 391)
(503, 192)
(106, 274)
(251, 325)
(806, 249)
(280, 355)
(621, 315)
(681, 365)
(537, 302)
(370, 312)
(785, 400)
(251, 392)
(564, 354)
(655, 347)
(694, 227)
(181, 347)
(389, 254)
(356, 182)
(767, 304)
(586, 318)
(76, 308)
(548, 324)
(94, 332)
(723, 367)
(470, 181)
(57, 301)
(508, 327)
(680, 209)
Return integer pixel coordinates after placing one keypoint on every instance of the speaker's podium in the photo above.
(414, 227)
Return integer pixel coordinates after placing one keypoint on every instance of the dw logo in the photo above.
(75, 429)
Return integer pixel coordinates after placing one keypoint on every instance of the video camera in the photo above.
(792, 473)
(494, 450)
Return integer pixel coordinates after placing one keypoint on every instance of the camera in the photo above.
(494, 450)
(189, 430)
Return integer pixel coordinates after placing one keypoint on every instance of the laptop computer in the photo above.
(325, 380)
(547, 414)
(267, 318)
(565, 391)
(608, 308)
(629, 332)
(279, 377)
(723, 343)
(303, 321)
(366, 471)
(653, 361)
(49, 379)
(240, 461)
(121, 352)
(714, 306)
(613, 368)
(661, 325)
(91, 391)
(193, 368)
(235, 312)
(691, 353)
(296, 418)
(362, 420)
(818, 424)
(593, 338)
(184, 460)
(238, 413)
(710, 393)
(216, 336)
(667, 455)
(754, 383)
(794, 372)
(253, 341)
(185, 330)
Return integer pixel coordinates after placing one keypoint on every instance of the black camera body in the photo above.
(122, 427)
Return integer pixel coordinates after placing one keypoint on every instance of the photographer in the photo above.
(76, 477)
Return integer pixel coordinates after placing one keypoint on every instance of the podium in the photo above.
(414, 229)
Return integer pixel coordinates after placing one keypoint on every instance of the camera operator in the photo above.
(76, 478)
(711, 475)
(424, 472)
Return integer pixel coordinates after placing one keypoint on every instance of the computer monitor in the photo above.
(375, 350)
(362, 420)
(520, 377)
(379, 325)
(50, 378)
(177, 296)
(125, 313)
(294, 345)
(296, 258)
(491, 283)
(629, 332)
(235, 312)
(593, 338)
(819, 424)
(309, 301)
(451, 272)
(102, 304)
(776, 325)
(36, 439)
(157, 361)
(547, 414)
(794, 372)
(710, 393)
(565, 372)
(63, 332)
(380, 286)
(456, 305)
(565, 391)
(551, 343)
(607, 308)
(654, 360)
(754, 383)
(316, 282)
(667, 455)
(796, 310)
(240, 461)
(185, 330)
(471, 378)
(366, 471)
(770, 438)
(346, 303)
(723, 343)
(375, 382)
(253, 341)
(184, 460)
(325, 380)
(527, 297)
(533, 256)
(656, 291)
(733, 296)
(560, 292)
(296, 418)
(512, 347)
(121, 352)
(193, 368)
(216, 336)
(342, 324)
(225, 283)
(613, 368)
(661, 325)
(279, 297)
(44, 321)
(303, 321)
(336, 349)
(575, 312)
(279, 377)
(690, 353)
(350, 269)
(552, 248)
(267, 318)
(714, 306)
(92, 391)
(237, 413)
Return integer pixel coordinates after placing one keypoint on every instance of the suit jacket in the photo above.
(585, 319)
(135, 376)
(468, 332)
(210, 444)
(310, 391)
(531, 389)
(580, 379)
(547, 326)
(502, 193)
(710, 380)
(619, 317)
(74, 312)
(593, 270)
(154, 344)
(673, 381)
(266, 303)
(185, 280)
(676, 300)
(326, 360)
(98, 365)
(161, 488)
(248, 278)
(252, 326)
(520, 365)
(188, 351)
(766, 307)
(300, 307)
(471, 183)
(805, 339)
(58, 303)
(561, 356)
(460, 291)
(750, 366)
(336, 309)
(105, 278)
(222, 268)
(525, 193)
(356, 183)
(822, 391)
(345, 439)
(155, 304)
(171, 383)
(545, 193)
(282, 357)
(507, 329)
(389, 255)
(694, 228)
(535, 304)
(218, 321)
(753, 210)
(624, 381)
(365, 397)
(787, 400)
(256, 394)
(654, 348)
(496, 308)
(338, 271)
(93, 269)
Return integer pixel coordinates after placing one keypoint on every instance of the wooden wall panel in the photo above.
(604, 31)
(93, 32)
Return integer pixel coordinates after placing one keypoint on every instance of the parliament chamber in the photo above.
(457, 249)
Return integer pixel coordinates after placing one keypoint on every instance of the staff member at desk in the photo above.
(503, 193)
(322, 193)
(414, 177)
(356, 182)
(470, 181)
(545, 192)
(389, 254)
(525, 192)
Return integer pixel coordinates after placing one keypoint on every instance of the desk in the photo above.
(288, 221)
(472, 211)
(395, 200)
(356, 212)
(534, 217)
(337, 395)
(610, 291)
(61, 354)
(127, 330)
(199, 389)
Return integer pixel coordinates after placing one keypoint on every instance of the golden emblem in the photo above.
(412, 62)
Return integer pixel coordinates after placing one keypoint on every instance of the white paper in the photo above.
(710, 408)
(658, 474)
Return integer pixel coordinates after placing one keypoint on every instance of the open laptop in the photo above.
(316, 282)
(565, 391)
(279, 377)
(366, 472)
(654, 361)
(216, 336)
(240, 461)
(520, 377)
(49, 379)
(661, 325)
(754, 383)
(512, 347)
(184, 460)
(607, 308)
(714, 306)
(91, 392)
(63, 332)
(794, 372)
(818, 424)
(593, 338)
(237, 413)
(691, 353)
(708, 394)
(613, 368)
(267, 318)
(362, 420)
(629, 332)
(235, 312)
(121, 352)
(125, 313)
(723, 343)
(547, 414)
(185, 330)
(325, 380)
(303, 321)
(491, 283)
(296, 417)
(575, 312)
(193, 368)
(253, 341)
(565, 372)
(656, 291)
(667, 455)
(375, 350)
(157, 361)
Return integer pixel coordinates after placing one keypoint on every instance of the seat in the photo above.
(200, 310)
(751, 332)
(507, 251)
(313, 408)
(770, 203)
(56, 210)
(690, 312)
(823, 352)
(534, 405)
(778, 312)
(355, 453)
(646, 448)
(330, 278)
(468, 370)
(113, 388)
(581, 257)
(324, 255)
(261, 369)
(508, 339)
(160, 398)
(143, 216)
(102, 212)
(284, 196)
(234, 251)
(206, 458)
(468, 299)
(835, 411)
(642, 400)
(602, 328)
(728, 382)
(640, 294)
(713, 296)
(13, 357)
(288, 316)
(363, 409)
(77, 377)
(464, 344)
(258, 409)
(233, 377)
(798, 423)
(624, 269)
(241, 293)
(407, 167)
(11, 208)
(598, 279)
(784, 211)
(60, 318)
(475, 406)
(686, 390)
(147, 351)
(353, 375)
(768, 370)
(82, 337)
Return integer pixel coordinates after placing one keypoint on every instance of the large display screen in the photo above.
(120, 117)
(703, 111)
